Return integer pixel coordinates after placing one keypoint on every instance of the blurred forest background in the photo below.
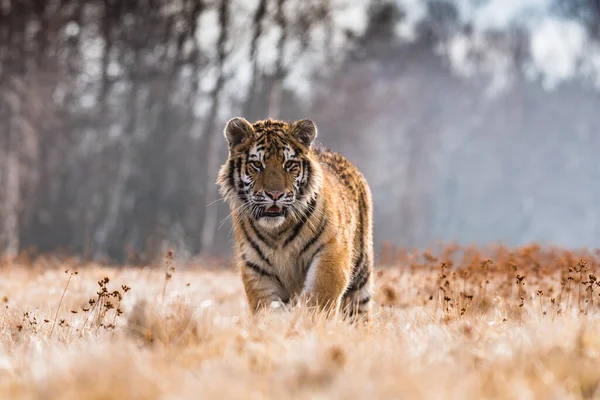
(474, 121)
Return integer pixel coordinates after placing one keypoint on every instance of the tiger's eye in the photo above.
(257, 164)
(290, 165)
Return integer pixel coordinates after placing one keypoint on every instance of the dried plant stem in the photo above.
(169, 269)
(60, 303)
(90, 313)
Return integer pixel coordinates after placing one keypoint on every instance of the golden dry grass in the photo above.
(464, 323)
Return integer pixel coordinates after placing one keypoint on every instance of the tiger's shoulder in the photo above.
(341, 171)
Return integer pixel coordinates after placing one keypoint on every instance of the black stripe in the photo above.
(277, 144)
(304, 165)
(231, 177)
(350, 187)
(364, 301)
(364, 279)
(353, 311)
(315, 237)
(255, 246)
(301, 177)
(261, 271)
(356, 271)
(354, 308)
(359, 279)
(238, 167)
(310, 210)
(366, 269)
(241, 185)
(306, 171)
(358, 262)
(260, 236)
(361, 234)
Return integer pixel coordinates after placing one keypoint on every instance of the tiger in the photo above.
(301, 216)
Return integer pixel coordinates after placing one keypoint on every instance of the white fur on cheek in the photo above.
(288, 153)
(254, 154)
(245, 178)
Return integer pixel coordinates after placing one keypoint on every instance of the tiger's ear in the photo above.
(237, 131)
(305, 131)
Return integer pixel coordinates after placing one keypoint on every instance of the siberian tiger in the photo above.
(302, 218)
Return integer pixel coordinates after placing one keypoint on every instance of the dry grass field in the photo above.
(463, 323)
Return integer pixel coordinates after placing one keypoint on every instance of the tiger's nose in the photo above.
(275, 195)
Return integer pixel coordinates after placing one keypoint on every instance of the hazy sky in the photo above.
(560, 48)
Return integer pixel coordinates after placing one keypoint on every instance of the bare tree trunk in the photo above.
(209, 228)
(107, 37)
(196, 9)
(158, 144)
(125, 169)
(193, 214)
(12, 57)
(94, 242)
(9, 232)
(276, 95)
(11, 188)
(211, 141)
(259, 15)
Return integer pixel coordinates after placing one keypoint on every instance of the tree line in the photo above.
(111, 114)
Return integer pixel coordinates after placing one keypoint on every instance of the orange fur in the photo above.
(319, 245)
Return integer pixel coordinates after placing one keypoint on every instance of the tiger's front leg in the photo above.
(327, 278)
(262, 288)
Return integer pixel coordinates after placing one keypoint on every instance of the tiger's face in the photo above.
(268, 174)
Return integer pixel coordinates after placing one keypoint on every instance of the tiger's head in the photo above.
(270, 175)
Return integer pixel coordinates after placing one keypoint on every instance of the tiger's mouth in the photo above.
(271, 212)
